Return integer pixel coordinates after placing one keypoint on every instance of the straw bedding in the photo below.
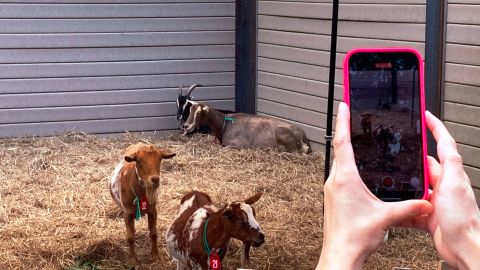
(56, 211)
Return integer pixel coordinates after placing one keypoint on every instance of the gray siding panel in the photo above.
(91, 126)
(55, 70)
(60, 114)
(462, 89)
(11, 86)
(62, 11)
(80, 40)
(110, 97)
(294, 44)
(67, 55)
(463, 54)
(111, 66)
(466, 94)
(462, 133)
(15, 26)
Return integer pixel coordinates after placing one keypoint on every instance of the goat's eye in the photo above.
(239, 220)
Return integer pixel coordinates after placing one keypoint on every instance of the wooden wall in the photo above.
(462, 83)
(107, 66)
(294, 44)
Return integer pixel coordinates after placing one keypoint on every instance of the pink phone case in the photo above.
(346, 97)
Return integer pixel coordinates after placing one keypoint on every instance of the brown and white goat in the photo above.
(137, 177)
(196, 215)
(240, 130)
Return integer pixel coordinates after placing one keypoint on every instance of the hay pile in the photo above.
(56, 211)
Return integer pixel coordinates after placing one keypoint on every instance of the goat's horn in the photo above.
(190, 90)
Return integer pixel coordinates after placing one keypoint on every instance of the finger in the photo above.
(420, 223)
(434, 170)
(450, 159)
(342, 145)
(404, 211)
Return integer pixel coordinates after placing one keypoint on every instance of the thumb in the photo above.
(400, 212)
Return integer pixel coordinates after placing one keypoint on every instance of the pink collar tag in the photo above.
(143, 203)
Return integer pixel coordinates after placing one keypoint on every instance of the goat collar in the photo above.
(206, 247)
(225, 119)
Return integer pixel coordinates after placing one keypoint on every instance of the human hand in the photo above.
(455, 222)
(355, 221)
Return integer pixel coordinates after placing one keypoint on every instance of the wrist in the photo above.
(468, 257)
(341, 257)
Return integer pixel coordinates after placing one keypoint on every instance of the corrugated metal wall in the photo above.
(294, 44)
(107, 66)
(462, 82)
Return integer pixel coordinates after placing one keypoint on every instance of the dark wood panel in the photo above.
(10, 86)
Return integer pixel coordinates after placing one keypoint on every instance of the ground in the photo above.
(56, 211)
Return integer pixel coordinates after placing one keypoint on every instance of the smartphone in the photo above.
(384, 89)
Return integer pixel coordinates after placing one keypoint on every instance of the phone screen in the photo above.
(386, 123)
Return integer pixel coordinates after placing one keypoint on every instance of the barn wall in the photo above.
(107, 66)
(462, 82)
(293, 51)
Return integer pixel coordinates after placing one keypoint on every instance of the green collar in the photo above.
(206, 247)
(136, 202)
(225, 119)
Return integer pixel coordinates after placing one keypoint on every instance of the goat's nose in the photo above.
(155, 180)
(261, 236)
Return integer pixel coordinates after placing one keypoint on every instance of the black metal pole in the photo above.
(331, 88)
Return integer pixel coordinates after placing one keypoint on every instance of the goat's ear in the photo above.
(167, 154)
(227, 212)
(253, 199)
(130, 158)
(206, 108)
